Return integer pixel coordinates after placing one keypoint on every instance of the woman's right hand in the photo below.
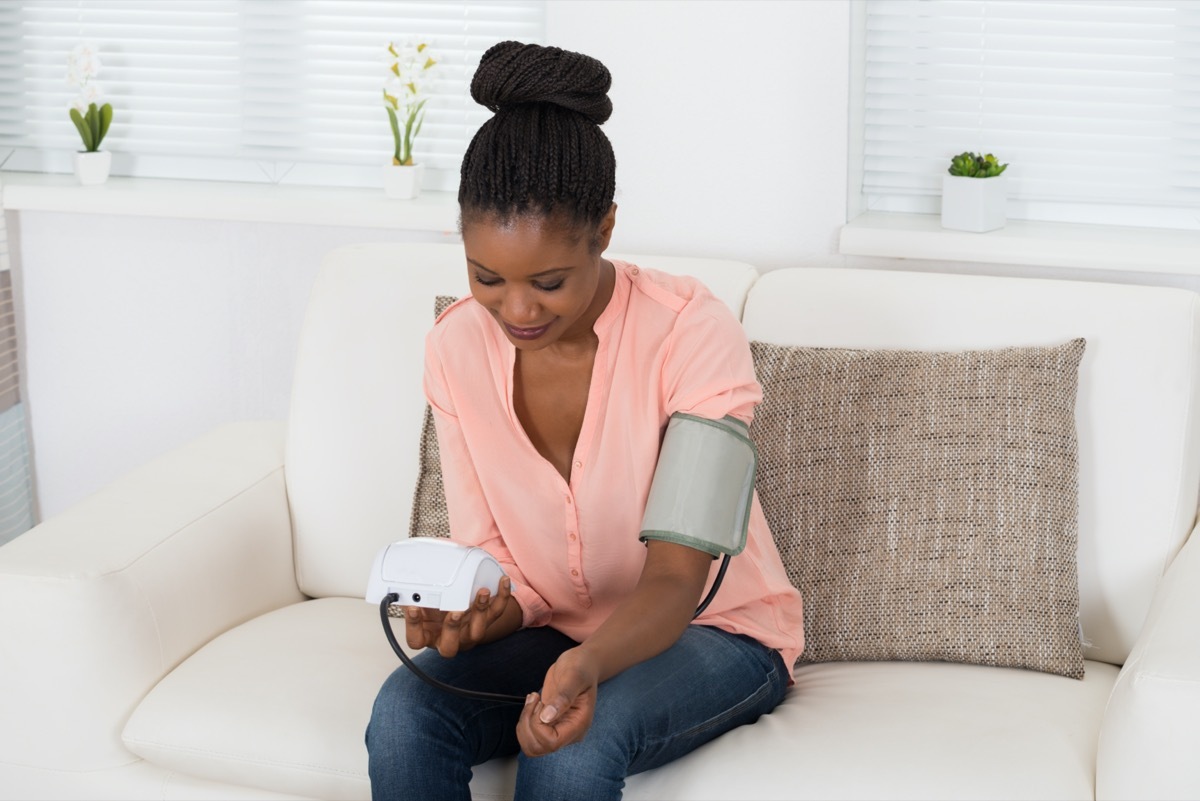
(452, 632)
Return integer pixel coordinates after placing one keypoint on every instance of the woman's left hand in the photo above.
(562, 712)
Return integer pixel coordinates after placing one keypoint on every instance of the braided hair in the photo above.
(543, 152)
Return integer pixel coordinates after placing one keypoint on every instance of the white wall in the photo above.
(729, 122)
(140, 333)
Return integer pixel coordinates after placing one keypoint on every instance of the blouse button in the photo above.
(634, 271)
(572, 536)
(578, 465)
(575, 573)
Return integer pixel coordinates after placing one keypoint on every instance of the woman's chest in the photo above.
(550, 398)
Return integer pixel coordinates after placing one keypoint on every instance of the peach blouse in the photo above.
(666, 345)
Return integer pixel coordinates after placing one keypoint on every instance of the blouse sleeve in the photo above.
(708, 370)
(471, 521)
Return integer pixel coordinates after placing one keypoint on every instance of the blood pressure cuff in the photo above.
(703, 485)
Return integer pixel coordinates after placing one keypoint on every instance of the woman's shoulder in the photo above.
(684, 298)
(454, 315)
(673, 291)
(459, 329)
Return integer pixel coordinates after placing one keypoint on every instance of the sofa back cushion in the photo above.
(1139, 464)
(925, 503)
(357, 405)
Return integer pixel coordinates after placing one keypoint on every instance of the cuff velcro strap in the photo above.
(703, 485)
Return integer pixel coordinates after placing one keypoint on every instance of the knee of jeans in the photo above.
(403, 706)
(602, 756)
(587, 769)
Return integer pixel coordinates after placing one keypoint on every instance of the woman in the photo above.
(551, 388)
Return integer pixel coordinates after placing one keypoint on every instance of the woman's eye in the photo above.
(479, 279)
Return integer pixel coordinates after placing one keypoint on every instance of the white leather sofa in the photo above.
(197, 630)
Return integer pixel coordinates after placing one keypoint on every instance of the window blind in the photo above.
(261, 90)
(16, 476)
(1095, 105)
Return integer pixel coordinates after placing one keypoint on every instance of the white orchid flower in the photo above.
(394, 87)
(407, 55)
(403, 93)
(426, 58)
(83, 64)
(92, 93)
(87, 95)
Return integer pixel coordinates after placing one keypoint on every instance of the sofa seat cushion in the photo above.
(281, 703)
(899, 730)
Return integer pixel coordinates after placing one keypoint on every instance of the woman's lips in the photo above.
(526, 333)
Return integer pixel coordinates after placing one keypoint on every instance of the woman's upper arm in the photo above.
(709, 371)
(686, 567)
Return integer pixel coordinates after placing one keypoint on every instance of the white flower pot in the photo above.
(402, 182)
(92, 168)
(974, 204)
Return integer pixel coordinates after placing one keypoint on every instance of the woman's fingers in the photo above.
(562, 713)
(452, 632)
(421, 626)
(449, 641)
(481, 617)
(568, 726)
(536, 738)
(485, 611)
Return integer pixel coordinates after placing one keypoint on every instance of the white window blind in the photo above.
(16, 482)
(1095, 105)
(256, 90)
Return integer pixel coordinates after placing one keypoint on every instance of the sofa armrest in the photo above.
(102, 600)
(1150, 737)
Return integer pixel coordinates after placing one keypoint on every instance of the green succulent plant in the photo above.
(973, 165)
(93, 125)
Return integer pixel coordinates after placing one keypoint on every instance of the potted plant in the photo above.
(92, 116)
(404, 100)
(974, 193)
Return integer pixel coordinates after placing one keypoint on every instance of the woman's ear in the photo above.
(604, 231)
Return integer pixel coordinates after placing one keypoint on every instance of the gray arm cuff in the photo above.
(703, 485)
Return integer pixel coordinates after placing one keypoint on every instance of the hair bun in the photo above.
(512, 73)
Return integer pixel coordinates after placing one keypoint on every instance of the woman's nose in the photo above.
(520, 308)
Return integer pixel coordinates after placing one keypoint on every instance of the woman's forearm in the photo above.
(644, 625)
(655, 614)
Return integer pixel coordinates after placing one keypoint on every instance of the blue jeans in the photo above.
(422, 741)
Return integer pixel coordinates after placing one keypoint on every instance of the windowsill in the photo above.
(224, 200)
(882, 234)
(1091, 247)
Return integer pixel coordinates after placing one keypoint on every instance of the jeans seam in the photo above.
(733, 711)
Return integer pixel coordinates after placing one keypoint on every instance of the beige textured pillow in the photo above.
(925, 504)
(429, 517)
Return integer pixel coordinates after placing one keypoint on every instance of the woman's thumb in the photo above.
(559, 692)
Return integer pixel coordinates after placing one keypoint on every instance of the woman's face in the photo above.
(541, 281)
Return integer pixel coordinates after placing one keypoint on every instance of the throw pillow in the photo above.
(429, 517)
(925, 504)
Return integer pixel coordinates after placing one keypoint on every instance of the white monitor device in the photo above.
(432, 573)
